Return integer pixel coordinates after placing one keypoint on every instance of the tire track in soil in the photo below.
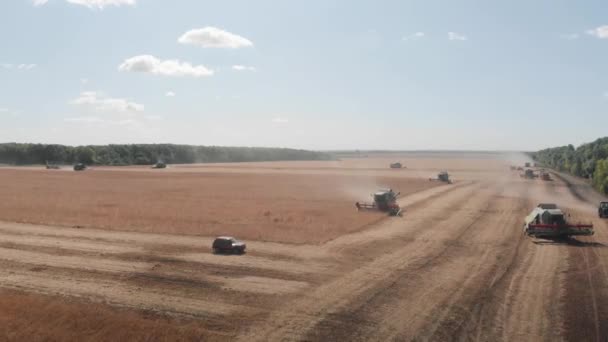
(295, 321)
(586, 288)
(466, 314)
(389, 312)
(527, 305)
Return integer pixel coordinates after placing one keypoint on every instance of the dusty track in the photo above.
(455, 267)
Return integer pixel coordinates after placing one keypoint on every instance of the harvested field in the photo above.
(455, 267)
(284, 208)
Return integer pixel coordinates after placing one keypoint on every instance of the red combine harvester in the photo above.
(385, 201)
(544, 175)
(548, 221)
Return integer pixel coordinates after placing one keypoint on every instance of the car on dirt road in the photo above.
(602, 210)
(228, 244)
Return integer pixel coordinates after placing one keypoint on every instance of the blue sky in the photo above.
(509, 75)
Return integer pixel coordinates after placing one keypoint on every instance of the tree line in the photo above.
(145, 154)
(588, 160)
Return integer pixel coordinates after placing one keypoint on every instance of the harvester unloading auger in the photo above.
(548, 221)
(385, 201)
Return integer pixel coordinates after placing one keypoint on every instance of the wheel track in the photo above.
(294, 322)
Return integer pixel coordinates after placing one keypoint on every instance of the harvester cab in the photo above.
(548, 221)
(385, 201)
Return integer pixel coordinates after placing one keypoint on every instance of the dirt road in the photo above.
(455, 267)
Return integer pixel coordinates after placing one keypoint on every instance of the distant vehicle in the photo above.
(228, 244)
(602, 210)
(548, 221)
(159, 165)
(527, 165)
(544, 175)
(51, 166)
(528, 174)
(442, 176)
(396, 165)
(80, 167)
(385, 201)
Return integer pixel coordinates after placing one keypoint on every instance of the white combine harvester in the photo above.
(548, 221)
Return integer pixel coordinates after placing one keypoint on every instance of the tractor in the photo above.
(384, 201)
(549, 222)
(159, 165)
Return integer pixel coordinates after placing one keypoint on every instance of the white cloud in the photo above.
(98, 120)
(212, 37)
(243, 68)
(456, 36)
(154, 117)
(92, 4)
(101, 4)
(39, 2)
(21, 66)
(102, 102)
(85, 119)
(173, 67)
(170, 94)
(569, 36)
(10, 112)
(599, 32)
(414, 36)
(280, 120)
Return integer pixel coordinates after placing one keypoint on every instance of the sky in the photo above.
(316, 74)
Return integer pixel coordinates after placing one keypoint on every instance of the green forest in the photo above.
(588, 161)
(144, 154)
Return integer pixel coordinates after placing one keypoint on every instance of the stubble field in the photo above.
(124, 254)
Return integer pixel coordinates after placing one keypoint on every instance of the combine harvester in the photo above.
(442, 176)
(52, 166)
(385, 201)
(549, 222)
(80, 167)
(544, 175)
(159, 165)
(528, 174)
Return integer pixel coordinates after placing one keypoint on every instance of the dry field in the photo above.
(294, 208)
(455, 267)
